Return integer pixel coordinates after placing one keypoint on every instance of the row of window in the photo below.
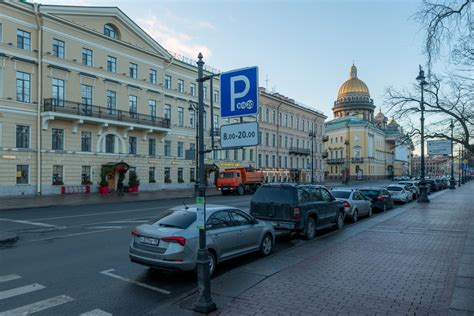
(24, 42)
(288, 121)
(57, 176)
(288, 142)
(284, 162)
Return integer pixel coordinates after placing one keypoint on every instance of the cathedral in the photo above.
(360, 145)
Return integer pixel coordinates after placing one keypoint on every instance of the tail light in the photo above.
(177, 239)
(380, 198)
(296, 212)
(135, 233)
(346, 205)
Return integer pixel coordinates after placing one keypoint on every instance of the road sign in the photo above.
(439, 147)
(239, 92)
(239, 135)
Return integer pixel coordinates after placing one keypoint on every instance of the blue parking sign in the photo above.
(239, 92)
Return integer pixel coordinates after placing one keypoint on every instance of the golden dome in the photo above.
(353, 85)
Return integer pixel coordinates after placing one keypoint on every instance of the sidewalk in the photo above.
(22, 202)
(417, 259)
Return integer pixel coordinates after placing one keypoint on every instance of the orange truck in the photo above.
(239, 180)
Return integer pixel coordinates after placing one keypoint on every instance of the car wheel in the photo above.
(340, 220)
(355, 216)
(310, 229)
(370, 212)
(212, 263)
(241, 190)
(266, 246)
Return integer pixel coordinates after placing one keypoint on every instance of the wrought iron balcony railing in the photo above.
(83, 109)
(357, 160)
(299, 151)
(335, 161)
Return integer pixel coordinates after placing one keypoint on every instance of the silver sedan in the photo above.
(354, 202)
(171, 240)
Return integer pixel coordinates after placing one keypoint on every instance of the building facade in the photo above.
(360, 145)
(434, 166)
(83, 90)
(291, 140)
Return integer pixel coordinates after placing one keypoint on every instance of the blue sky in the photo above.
(304, 47)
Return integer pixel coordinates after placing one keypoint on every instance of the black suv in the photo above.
(301, 208)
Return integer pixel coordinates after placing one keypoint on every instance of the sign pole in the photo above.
(204, 303)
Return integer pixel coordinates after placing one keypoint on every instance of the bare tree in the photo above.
(449, 96)
(443, 102)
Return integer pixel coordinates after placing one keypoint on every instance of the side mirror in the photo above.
(254, 221)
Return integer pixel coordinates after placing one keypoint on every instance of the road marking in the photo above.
(9, 277)
(26, 222)
(130, 221)
(96, 312)
(108, 272)
(38, 306)
(72, 235)
(20, 290)
(104, 227)
(96, 214)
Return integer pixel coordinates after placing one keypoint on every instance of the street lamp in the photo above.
(347, 172)
(460, 167)
(423, 198)
(452, 182)
(204, 303)
(312, 134)
(193, 107)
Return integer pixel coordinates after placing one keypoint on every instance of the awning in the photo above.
(116, 166)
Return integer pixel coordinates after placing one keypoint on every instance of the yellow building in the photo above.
(85, 88)
(360, 145)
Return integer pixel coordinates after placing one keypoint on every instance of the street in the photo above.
(76, 257)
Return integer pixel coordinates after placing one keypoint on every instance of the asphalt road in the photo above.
(74, 260)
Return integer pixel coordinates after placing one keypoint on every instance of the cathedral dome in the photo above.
(353, 85)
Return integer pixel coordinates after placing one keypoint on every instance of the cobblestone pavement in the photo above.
(407, 264)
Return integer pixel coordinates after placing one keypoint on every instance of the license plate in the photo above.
(150, 241)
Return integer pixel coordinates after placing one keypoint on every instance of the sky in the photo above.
(304, 49)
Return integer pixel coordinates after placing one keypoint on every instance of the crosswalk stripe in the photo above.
(9, 277)
(38, 306)
(20, 290)
(96, 312)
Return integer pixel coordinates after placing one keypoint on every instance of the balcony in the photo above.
(93, 113)
(299, 151)
(357, 160)
(325, 138)
(325, 154)
(337, 161)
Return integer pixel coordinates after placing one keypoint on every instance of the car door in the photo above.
(388, 197)
(329, 205)
(362, 204)
(318, 205)
(248, 233)
(222, 233)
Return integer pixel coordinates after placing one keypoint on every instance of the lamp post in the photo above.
(460, 167)
(423, 198)
(347, 172)
(452, 182)
(312, 134)
(204, 303)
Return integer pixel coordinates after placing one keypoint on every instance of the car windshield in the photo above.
(278, 195)
(394, 188)
(227, 175)
(341, 194)
(370, 193)
(174, 219)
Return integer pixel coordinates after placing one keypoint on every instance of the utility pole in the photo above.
(204, 303)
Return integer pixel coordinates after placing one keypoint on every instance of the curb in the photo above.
(8, 240)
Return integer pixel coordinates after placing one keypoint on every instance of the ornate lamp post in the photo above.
(204, 303)
(312, 134)
(423, 190)
(452, 182)
(460, 167)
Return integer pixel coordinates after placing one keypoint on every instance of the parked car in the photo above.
(411, 185)
(434, 186)
(301, 208)
(355, 203)
(171, 240)
(398, 193)
(381, 198)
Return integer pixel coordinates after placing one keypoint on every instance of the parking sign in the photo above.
(239, 92)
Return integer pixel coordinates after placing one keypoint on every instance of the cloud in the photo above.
(171, 39)
(206, 25)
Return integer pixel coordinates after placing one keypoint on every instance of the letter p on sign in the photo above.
(239, 92)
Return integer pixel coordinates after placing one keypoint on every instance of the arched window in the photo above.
(111, 31)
